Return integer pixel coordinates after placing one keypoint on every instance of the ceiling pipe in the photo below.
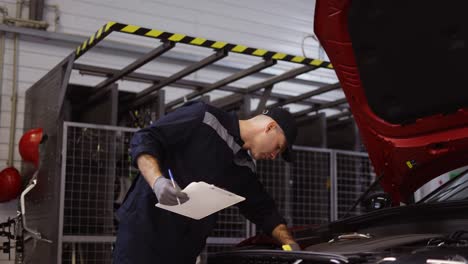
(36, 9)
(14, 92)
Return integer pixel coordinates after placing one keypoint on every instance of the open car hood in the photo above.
(403, 68)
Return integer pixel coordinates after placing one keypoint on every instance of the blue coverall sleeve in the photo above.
(259, 207)
(169, 131)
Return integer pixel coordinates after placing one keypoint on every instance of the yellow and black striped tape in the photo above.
(180, 38)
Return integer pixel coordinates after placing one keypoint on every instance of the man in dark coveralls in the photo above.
(198, 142)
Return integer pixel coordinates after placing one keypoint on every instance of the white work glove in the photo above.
(167, 194)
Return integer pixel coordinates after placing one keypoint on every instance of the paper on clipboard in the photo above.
(205, 199)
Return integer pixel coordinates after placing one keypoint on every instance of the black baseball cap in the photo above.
(288, 124)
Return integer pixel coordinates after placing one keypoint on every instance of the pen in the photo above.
(173, 183)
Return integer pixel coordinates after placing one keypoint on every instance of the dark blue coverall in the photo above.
(198, 142)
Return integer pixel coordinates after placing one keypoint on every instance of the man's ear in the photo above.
(271, 126)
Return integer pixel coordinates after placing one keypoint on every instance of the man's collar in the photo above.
(236, 129)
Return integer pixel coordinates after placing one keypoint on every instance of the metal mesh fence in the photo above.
(272, 174)
(89, 253)
(311, 188)
(230, 224)
(354, 175)
(301, 190)
(213, 248)
(95, 161)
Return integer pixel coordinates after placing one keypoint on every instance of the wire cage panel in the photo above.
(354, 175)
(97, 162)
(301, 190)
(230, 224)
(89, 253)
(311, 188)
(275, 178)
(213, 248)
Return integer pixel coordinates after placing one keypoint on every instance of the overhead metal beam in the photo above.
(306, 119)
(307, 95)
(279, 78)
(104, 71)
(263, 100)
(159, 108)
(228, 100)
(320, 107)
(146, 95)
(339, 122)
(336, 119)
(230, 79)
(331, 118)
(185, 84)
(338, 116)
(135, 50)
(101, 90)
(245, 111)
(181, 74)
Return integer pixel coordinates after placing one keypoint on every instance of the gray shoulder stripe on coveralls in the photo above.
(245, 162)
(214, 123)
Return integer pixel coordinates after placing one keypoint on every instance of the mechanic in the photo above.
(199, 142)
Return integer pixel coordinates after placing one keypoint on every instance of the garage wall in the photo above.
(269, 24)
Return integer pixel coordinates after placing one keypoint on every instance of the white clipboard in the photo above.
(204, 200)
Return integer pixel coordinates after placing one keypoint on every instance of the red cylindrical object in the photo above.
(10, 184)
(29, 145)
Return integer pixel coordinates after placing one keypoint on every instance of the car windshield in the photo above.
(456, 189)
